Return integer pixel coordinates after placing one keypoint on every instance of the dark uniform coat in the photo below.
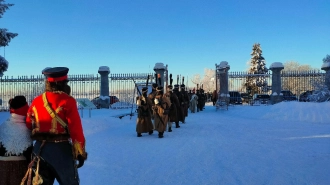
(143, 122)
(181, 116)
(175, 105)
(160, 112)
(186, 100)
(152, 96)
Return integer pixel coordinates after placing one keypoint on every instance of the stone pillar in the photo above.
(326, 68)
(222, 71)
(160, 69)
(276, 95)
(104, 99)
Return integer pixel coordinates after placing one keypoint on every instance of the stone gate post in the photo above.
(276, 96)
(160, 69)
(104, 100)
(326, 68)
(222, 70)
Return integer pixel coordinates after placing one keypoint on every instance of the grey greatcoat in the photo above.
(143, 122)
(160, 112)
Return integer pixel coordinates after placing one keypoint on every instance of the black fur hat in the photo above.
(159, 88)
(17, 102)
(144, 89)
(154, 85)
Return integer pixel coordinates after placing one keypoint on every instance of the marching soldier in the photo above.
(200, 100)
(151, 96)
(175, 105)
(143, 122)
(193, 103)
(161, 110)
(204, 97)
(214, 97)
(185, 99)
(180, 111)
(57, 131)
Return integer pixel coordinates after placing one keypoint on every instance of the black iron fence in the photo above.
(122, 85)
(82, 86)
(297, 82)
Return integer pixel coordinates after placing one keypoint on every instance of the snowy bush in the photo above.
(321, 93)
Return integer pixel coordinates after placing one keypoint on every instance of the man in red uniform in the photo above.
(56, 127)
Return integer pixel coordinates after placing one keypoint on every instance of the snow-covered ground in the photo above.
(283, 144)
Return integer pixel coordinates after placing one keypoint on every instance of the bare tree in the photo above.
(298, 78)
(295, 66)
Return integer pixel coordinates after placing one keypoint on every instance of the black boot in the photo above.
(177, 125)
(169, 129)
(139, 135)
(160, 134)
(151, 132)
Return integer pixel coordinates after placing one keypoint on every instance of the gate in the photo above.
(122, 86)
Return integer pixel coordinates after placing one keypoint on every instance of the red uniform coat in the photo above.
(39, 120)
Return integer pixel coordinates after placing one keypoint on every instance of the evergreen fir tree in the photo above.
(5, 37)
(257, 67)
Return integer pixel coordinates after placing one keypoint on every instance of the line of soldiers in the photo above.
(159, 110)
(197, 100)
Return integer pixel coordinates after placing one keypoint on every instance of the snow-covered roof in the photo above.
(325, 65)
(104, 68)
(276, 65)
(159, 66)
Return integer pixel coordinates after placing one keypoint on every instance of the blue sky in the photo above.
(130, 36)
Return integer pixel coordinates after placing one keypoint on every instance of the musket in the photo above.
(147, 81)
(155, 77)
(159, 80)
(133, 98)
(171, 80)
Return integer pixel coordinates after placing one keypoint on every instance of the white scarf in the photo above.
(14, 135)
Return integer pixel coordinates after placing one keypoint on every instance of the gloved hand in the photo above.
(156, 101)
(81, 160)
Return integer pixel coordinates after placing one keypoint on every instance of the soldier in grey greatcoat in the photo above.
(161, 111)
(193, 103)
(143, 122)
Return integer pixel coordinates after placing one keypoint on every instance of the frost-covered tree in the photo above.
(257, 69)
(5, 37)
(208, 81)
(322, 91)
